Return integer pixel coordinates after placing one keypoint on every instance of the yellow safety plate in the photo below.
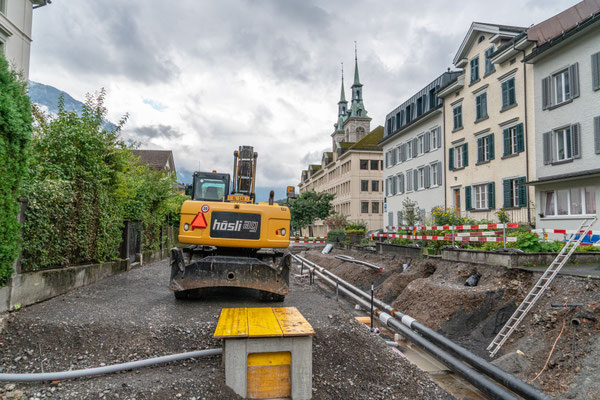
(262, 323)
(233, 197)
(265, 359)
(233, 323)
(292, 323)
(268, 375)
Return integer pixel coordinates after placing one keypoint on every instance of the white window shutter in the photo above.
(574, 80)
(597, 133)
(576, 140)
(547, 144)
(546, 92)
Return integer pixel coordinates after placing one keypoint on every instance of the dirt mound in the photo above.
(392, 287)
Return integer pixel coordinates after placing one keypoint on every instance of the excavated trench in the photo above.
(434, 292)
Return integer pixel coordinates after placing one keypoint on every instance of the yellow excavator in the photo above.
(231, 241)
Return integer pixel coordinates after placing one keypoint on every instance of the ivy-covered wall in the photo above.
(15, 136)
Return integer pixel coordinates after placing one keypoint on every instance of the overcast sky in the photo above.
(203, 77)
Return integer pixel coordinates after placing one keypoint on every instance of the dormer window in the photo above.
(481, 39)
(359, 112)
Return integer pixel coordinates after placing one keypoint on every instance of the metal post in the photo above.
(504, 234)
(301, 267)
(337, 289)
(452, 233)
(372, 290)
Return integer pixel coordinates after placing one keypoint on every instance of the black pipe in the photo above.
(510, 381)
(567, 305)
(470, 375)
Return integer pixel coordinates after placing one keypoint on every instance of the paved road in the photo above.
(134, 316)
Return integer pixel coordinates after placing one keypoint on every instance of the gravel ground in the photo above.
(134, 316)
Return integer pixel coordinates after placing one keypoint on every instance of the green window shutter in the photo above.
(505, 94)
(465, 155)
(506, 135)
(491, 145)
(484, 105)
(451, 159)
(522, 192)
(520, 139)
(506, 194)
(479, 150)
(491, 196)
(468, 198)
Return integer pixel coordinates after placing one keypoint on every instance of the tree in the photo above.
(15, 137)
(310, 206)
(410, 211)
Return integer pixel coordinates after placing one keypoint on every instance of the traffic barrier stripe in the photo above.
(307, 241)
(565, 231)
(308, 237)
(457, 227)
(448, 238)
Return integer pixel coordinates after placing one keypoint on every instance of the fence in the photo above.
(308, 239)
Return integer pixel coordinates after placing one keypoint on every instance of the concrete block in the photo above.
(5, 298)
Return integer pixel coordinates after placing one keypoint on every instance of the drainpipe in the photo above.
(526, 130)
(444, 150)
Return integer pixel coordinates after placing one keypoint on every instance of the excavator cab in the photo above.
(210, 186)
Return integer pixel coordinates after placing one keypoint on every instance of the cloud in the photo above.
(203, 79)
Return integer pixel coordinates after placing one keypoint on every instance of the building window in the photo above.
(375, 207)
(457, 112)
(475, 69)
(435, 138)
(364, 164)
(481, 107)
(434, 174)
(563, 144)
(574, 201)
(480, 197)
(489, 66)
(419, 106)
(374, 164)
(508, 93)
(364, 207)
(515, 192)
(561, 84)
(421, 178)
(409, 150)
(409, 180)
(420, 145)
(514, 141)
(458, 157)
(485, 148)
(364, 186)
(375, 186)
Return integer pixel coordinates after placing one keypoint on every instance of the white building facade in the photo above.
(15, 32)
(413, 147)
(567, 123)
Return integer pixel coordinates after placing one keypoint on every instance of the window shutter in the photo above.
(576, 140)
(596, 71)
(439, 173)
(438, 132)
(520, 139)
(465, 155)
(574, 80)
(427, 176)
(414, 146)
(506, 187)
(504, 94)
(415, 179)
(387, 187)
(597, 133)
(491, 196)
(409, 180)
(522, 192)
(387, 159)
(479, 150)
(547, 144)
(506, 135)
(484, 105)
(491, 145)
(451, 159)
(427, 144)
(401, 184)
(468, 198)
(546, 92)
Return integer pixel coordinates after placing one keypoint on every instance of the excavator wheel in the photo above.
(188, 294)
(268, 297)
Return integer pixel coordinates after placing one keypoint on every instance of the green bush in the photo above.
(15, 137)
(357, 226)
(336, 235)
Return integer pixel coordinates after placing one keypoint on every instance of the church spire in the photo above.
(356, 79)
(342, 106)
(342, 94)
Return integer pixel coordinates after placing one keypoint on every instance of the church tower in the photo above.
(358, 123)
(338, 134)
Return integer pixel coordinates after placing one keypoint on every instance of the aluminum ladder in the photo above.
(541, 285)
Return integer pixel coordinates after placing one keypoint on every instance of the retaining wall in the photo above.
(32, 287)
(514, 260)
(389, 248)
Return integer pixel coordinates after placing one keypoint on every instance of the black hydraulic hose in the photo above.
(473, 377)
(508, 380)
(59, 376)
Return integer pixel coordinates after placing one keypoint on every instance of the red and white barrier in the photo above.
(307, 237)
(447, 238)
(565, 231)
(453, 228)
(307, 241)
